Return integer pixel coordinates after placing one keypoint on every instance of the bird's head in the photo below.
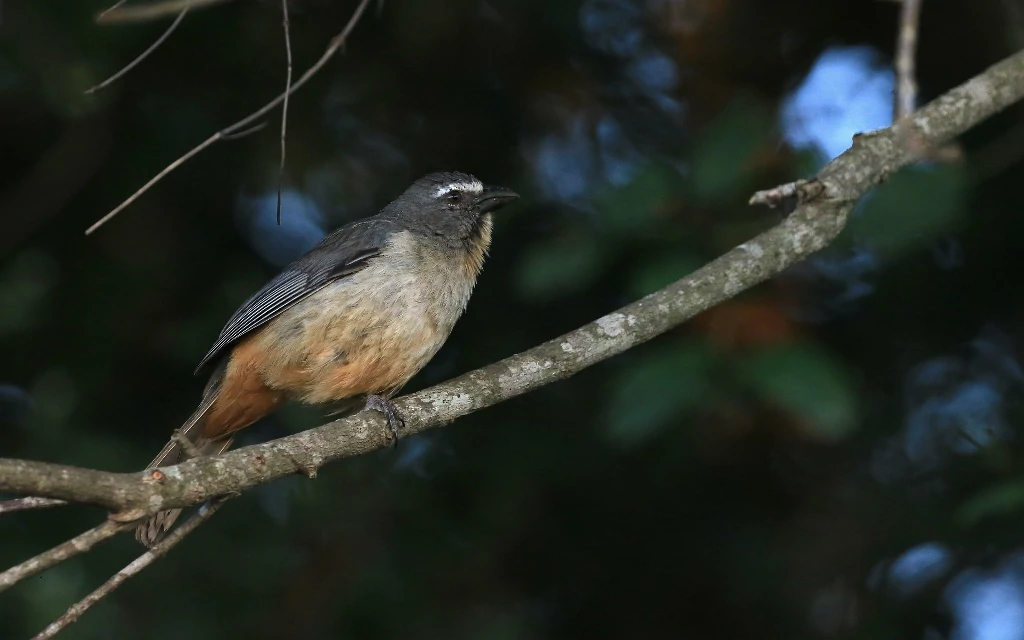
(451, 205)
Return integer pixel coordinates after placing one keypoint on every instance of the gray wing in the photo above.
(340, 254)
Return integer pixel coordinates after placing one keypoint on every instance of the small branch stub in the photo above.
(804, 191)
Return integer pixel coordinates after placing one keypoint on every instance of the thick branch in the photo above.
(815, 223)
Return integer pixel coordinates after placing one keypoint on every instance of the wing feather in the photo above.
(340, 254)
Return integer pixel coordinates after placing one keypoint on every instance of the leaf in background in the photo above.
(654, 388)
(636, 205)
(662, 271)
(23, 289)
(913, 207)
(998, 500)
(723, 156)
(745, 323)
(559, 266)
(808, 382)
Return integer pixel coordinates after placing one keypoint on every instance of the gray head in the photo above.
(451, 205)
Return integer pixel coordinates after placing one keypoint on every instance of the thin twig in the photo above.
(332, 48)
(140, 563)
(284, 108)
(906, 50)
(117, 5)
(153, 47)
(905, 100)
(155, 179)
(21, 504)
(64, 551)
(802, 190)
(241, 134)
(152, 11)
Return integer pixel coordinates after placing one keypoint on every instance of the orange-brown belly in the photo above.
(336, 345)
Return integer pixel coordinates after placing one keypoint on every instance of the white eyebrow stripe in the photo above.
(475, 187)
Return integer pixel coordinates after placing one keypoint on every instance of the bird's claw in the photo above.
(391, 414)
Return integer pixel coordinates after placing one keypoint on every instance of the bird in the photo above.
(352, 319)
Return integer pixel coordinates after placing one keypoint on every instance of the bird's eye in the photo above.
(454, 197)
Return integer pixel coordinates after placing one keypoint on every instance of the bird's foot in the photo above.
(188, 448)
(390, 411)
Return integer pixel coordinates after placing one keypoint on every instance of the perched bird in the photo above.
(355, 317)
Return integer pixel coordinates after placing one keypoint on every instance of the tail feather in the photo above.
(156, 527)
(153, 530)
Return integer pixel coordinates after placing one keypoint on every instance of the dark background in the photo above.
(835, 453)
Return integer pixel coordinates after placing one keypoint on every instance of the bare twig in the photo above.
(906, 50)
(142, 56)
(140, 563)
(803, 190)
(117, 5)
(284, 107)
(155, 179)
(905, 99)
(245, 132)
(79, 544)
(332, 48)
(152, 11)
(21, 504)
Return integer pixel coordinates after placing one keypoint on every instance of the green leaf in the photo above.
(722, 157)
(559, 266)
(913, 207)
(660, 272)
(23, 289)
(635, 206)
(809, 383)
(993, 501)
(655, 388)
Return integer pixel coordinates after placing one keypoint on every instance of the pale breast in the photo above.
(371, 331)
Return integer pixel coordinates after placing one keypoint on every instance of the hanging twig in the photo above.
(284, 107)
(905, 98)
(336, 43)
(906, 52)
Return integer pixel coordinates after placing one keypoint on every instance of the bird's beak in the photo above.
(494, 198)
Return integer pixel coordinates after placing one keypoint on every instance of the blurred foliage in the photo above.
(560, 266)
(998, 500)
(836, 452)
(916, 206)
(808, 382)
(656, 390)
